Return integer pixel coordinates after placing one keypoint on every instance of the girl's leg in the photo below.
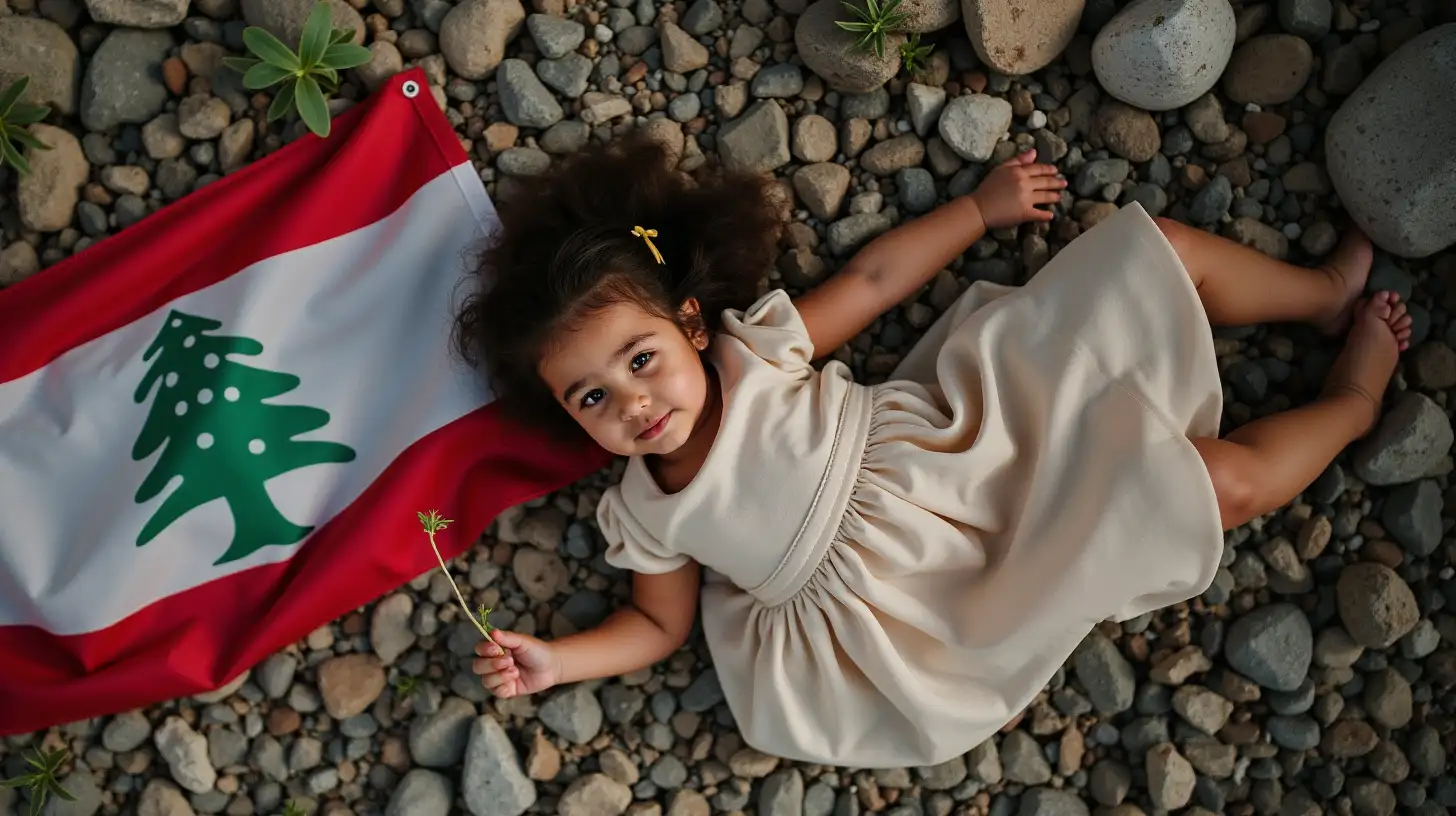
(1241, 286)
(1266, 463)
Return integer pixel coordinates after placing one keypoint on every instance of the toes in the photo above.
(1381, 307)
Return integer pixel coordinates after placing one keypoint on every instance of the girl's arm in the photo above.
(652, 628)
(893, 266)
(657, 622)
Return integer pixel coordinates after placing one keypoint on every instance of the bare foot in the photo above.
(1348, 267)
(1379, 331)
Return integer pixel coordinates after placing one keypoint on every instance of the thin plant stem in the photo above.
(433, 523)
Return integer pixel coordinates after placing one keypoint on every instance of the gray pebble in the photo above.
(685, 108)
(573, 713)
(555, 36)
(1105, 674)
(421, 793)
(1209, 204)
(669, 772)
(126, 731)
(1412, 515)
(872, 105)
(226, 747)
(1150, 196)
(524, 100)
(1272, 646)
(1310, 19)
(1300, 733)
(781, 81)
(1051, 802)
(702, 17)
(917, 189)
(621, 704)
(1177, 141)
(1095, 175)
(568, 75)
(493, 782)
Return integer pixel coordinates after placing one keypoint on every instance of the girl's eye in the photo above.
(592, 397)
(641, 360)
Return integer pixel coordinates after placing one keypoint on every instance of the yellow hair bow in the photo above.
(647, 235)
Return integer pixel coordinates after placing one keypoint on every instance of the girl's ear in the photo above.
(690, 317)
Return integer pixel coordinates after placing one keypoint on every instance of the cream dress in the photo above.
(895, 571)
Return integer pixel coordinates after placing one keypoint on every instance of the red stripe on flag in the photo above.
(198, 640)
(191, 244)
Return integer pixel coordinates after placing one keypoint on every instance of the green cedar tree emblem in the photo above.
(218, 435)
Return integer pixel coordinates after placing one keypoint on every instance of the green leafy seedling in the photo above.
(913, 54)
(875, 20)
(43, 781)
(406, 686)
(292, 808)
(433, 523)
(15, 117)
(305, 78)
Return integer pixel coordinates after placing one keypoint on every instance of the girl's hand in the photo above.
(1011, 192)
(520, 664)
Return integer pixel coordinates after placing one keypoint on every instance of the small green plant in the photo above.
(876, 19)
(913, 54)
(42, 782)
(405, 686)
(305, 78)
(15, 117)
(433, 523)
(292, 808)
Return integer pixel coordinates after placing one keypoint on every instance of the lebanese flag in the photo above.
(217, 427)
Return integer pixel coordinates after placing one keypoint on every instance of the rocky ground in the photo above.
(1315, 675)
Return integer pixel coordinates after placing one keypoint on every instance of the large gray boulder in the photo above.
(1163, 54)
(1388, 148)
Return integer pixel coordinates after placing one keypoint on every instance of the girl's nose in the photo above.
(633, 407)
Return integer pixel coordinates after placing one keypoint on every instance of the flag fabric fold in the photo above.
(217, 426)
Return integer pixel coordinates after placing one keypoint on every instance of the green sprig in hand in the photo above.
(514, 665)
(433, 522)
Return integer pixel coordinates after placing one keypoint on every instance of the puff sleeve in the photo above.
(629, 545)
(772, 330)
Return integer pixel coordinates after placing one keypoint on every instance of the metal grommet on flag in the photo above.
(411, 89)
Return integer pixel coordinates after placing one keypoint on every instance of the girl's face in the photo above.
(632, 380)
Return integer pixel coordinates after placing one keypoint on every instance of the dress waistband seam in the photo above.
(862, 402)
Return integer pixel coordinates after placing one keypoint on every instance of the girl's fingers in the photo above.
(1046, 197)
(508, 639)
(492, 665)
(495, 681)
(1042, 170)
(1048, 183)
(1039, 215)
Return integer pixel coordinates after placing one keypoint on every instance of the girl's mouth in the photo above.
(656, 429)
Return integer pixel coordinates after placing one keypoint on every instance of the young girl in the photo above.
(894, 571)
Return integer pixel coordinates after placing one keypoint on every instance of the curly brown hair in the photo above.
(565, 249)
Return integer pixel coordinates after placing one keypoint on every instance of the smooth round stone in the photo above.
(1163, 54)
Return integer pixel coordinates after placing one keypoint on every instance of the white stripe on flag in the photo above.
(363, 320)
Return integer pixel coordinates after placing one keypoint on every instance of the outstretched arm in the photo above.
(656, 623)
(894, 265)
